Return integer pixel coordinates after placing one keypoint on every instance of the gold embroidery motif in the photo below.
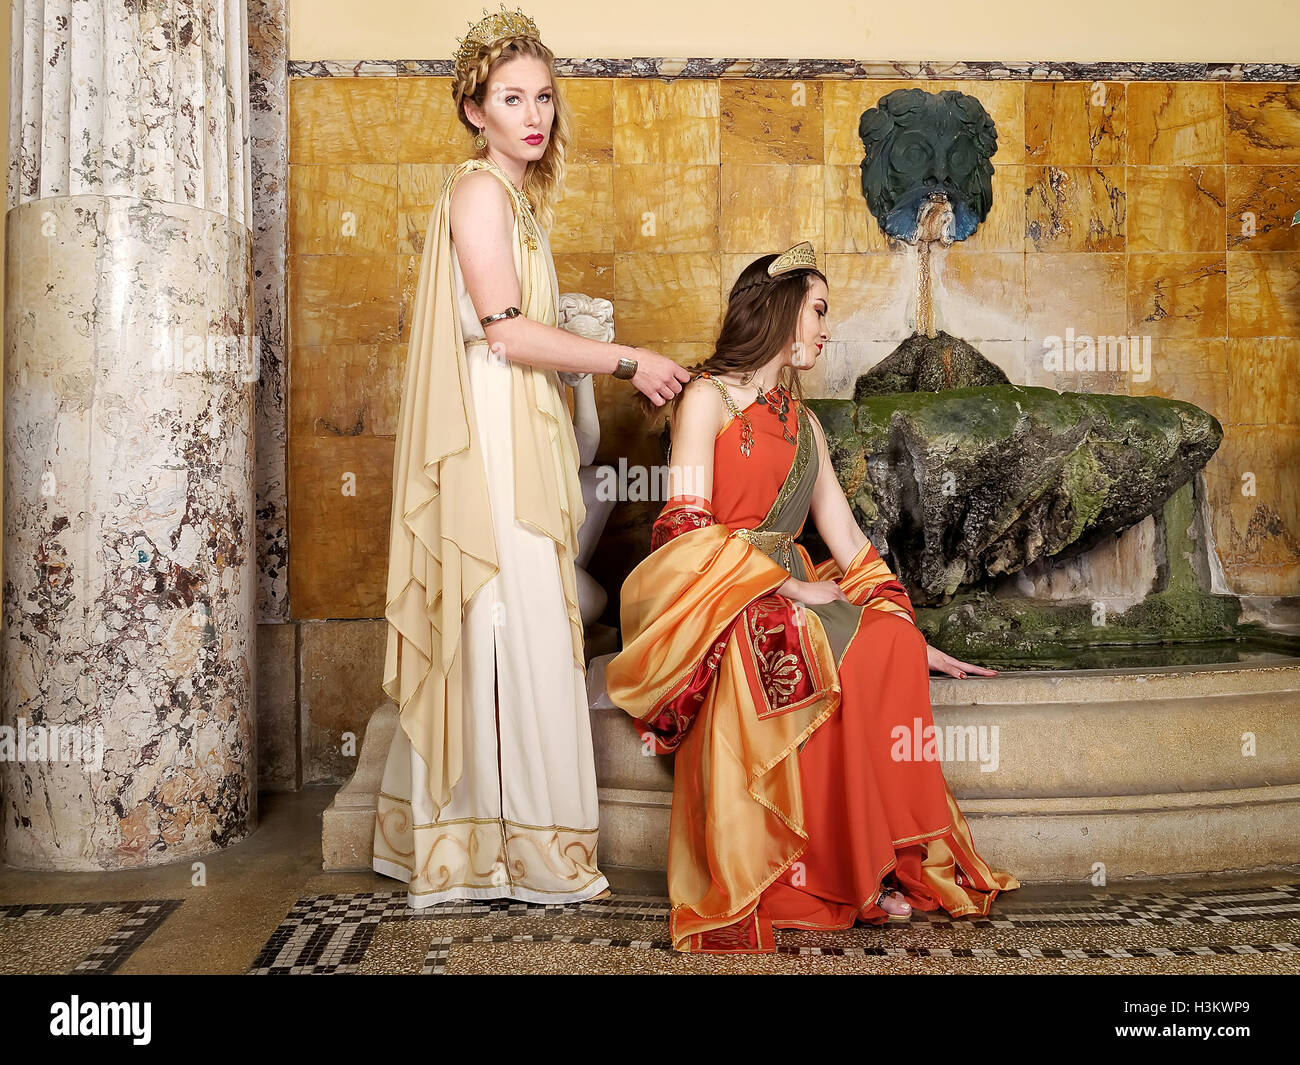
(778, 669)
(540, 891)
(779, 546)
(467, 854)
(394, 825)
(780, 675)
(474, 852)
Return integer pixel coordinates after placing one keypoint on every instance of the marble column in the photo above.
(129, 378)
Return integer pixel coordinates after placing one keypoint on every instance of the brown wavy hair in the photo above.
(544, 178)
(761, 317)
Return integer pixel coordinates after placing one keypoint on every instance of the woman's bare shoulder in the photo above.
(482, 193)
(700, 405)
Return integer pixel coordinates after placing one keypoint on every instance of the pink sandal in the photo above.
(898, 910)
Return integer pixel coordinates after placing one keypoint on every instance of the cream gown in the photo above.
(522, 821)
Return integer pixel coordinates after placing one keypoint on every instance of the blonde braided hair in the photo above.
(543, 179)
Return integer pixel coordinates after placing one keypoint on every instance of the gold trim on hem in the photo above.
(489, 821)
(520, 887)
(923, 836)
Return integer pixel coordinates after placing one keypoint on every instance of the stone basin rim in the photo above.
(1274, 676)
(1271, 677)
(1281, 664)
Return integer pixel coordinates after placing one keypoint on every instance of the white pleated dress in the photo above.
(522, 821)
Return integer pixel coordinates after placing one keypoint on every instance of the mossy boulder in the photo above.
(960, 486)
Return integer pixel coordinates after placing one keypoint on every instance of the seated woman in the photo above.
(780, 685)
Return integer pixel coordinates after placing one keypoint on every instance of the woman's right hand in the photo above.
(657, 377)
(810, 592)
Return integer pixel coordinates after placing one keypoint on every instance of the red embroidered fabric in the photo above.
(677, 519)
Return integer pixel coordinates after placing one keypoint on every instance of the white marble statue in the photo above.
(591, 317)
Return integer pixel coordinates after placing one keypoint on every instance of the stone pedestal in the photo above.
(348, 824)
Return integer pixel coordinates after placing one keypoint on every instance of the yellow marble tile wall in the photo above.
(1158, 210)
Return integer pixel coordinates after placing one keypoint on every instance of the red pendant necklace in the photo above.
(771, 398)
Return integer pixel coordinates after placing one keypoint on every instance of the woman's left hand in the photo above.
(942, 663)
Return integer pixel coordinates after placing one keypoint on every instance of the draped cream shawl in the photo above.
(441, 547)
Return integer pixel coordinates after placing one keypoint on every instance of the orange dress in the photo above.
(789, 809)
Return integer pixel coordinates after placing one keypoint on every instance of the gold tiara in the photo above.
(800, 257)
(490, 29)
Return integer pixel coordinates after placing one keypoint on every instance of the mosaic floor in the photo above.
(1241, 930)
(76, 937)
(266, 907)
(1253, 930)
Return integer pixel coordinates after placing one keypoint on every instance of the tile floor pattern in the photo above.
(76, 937)
(1253, 929)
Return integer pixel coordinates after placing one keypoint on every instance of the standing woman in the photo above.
(490, 788)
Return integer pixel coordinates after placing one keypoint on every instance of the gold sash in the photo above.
(441, 547)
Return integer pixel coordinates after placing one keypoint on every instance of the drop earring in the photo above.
(480, 142)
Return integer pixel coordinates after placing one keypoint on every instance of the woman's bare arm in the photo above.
(830, 509)
(482, 220)
(696, 421)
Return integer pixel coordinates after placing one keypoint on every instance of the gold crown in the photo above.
(490, 29)
(800, 257)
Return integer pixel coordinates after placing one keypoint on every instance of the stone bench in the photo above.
(1141, 773)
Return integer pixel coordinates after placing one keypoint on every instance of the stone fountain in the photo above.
(964, 480)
